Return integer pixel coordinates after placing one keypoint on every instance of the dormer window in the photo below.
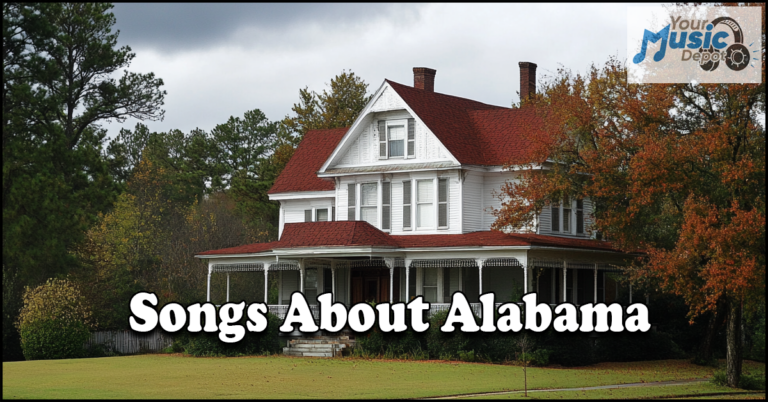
(396, 139)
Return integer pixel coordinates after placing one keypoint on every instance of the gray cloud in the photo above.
(180, 27)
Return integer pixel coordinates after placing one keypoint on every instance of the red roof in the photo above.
(475, 133)
(300, 173)
(358, 233)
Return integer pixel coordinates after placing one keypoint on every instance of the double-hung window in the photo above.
(555, 216)
(425, 204)
(369, 203)
(566, 215)
(397, 138)
(430, 285)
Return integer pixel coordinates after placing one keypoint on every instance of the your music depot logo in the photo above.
(694, 44)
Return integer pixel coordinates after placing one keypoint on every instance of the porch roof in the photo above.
(363, 234)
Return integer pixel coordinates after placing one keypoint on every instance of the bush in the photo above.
(54, 321)
(208, 344)
(54, 339)
(751, 381)
(446, 346)
(539, 357)
(570, 349)
(629, 347)
(404, 345)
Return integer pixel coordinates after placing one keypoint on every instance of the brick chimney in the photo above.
(424, 78)
(527, 79)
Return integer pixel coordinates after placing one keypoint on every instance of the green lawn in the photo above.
(645, 392)
(174, 376)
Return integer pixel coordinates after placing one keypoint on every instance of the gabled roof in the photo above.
(474, 133)
(363, 234)
(300, 173)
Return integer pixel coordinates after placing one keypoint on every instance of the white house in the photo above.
(397, 205)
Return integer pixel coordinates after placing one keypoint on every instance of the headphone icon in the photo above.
(736, 55)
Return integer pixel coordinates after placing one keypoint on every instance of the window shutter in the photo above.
(351, 201)
(307, 215)
(386, 209)
(411, 138)
(579, 216)
(442, 203)
(333, 213)
(382, 139)
(407, 205)
(555, 217)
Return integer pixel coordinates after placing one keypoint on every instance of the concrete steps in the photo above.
(318, 346)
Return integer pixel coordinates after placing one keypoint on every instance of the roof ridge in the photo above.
(452, 96)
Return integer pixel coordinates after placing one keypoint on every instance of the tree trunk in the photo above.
(733, 354)
(716, 321)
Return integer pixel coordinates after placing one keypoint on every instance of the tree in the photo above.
(337, 108)
(60, 63)
(674, 171)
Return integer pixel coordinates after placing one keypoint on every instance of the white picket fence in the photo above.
(129, 342)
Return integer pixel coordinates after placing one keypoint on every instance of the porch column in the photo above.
(266, 282)
(208, 297)
(525, 279)
(479, 263)
(333, 280)
(301, 276)
(595, 285)
(565, 284)
(390, 262)
(408, 280)
(227, 287)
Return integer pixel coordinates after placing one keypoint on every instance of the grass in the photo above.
(646, 392)
(176, 376)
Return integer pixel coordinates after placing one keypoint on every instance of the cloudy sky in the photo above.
(220, 60)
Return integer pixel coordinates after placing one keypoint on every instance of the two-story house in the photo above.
(398, 205)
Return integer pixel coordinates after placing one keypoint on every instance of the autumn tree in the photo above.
(676, 172)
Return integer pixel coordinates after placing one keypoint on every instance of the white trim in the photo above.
(300, 195)
(364, 115)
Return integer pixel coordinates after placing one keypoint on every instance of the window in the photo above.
(579, 216)
(310, 285)
(351, 202)
(369, 203)
(430, 285)
(307, 215)
(555, 217)
(407, 205)
(425, 204)
(322, 215)
(566, 215)
(442, 203)
(396, 136)
(386, 205)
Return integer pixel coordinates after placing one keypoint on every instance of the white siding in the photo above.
(492, 182)
(473, 202)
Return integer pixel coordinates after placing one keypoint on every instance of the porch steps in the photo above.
(318, 346)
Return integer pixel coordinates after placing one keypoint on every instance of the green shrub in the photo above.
(751, 381)
(446, 346)
(54, 321)
(208, 344)
(570, 349)
(404, 345)
(628, 347)
(538, 357)
(53, 339)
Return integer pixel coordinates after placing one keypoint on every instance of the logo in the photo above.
(695, 44)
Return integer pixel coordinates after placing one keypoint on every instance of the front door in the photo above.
(371, 285)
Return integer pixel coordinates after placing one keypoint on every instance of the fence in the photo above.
(129, 342)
